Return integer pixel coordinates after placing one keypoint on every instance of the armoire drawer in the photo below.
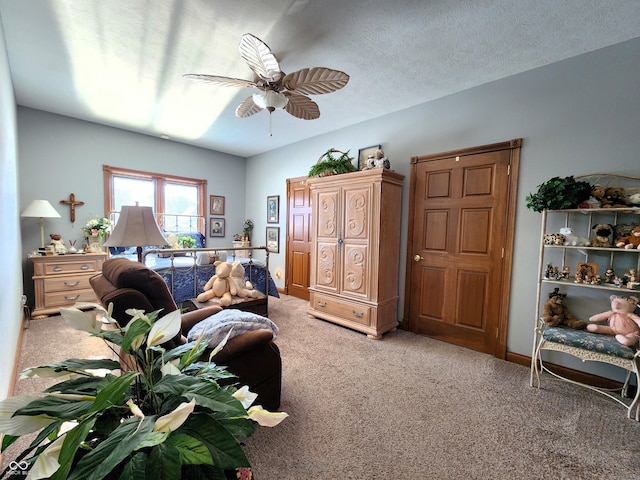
(353, 311)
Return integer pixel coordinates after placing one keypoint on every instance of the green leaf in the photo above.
(7, 441)
(114, 336)
(79, 386)
(98, 463)
(135, 468)
(164, 463)
(113, 392)
(136, 328)
(153, 439)
(59, 408)
(83, 364)
(191, 450)
(72, 441)
(225, 450)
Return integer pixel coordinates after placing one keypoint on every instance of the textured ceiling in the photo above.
(120, 62)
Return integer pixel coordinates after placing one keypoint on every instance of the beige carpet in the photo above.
(411, 407)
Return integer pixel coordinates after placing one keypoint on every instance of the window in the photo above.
(178, 202)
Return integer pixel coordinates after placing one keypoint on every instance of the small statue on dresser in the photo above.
(58, 244)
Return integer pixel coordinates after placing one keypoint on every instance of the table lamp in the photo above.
(136, 227)
(41, 209)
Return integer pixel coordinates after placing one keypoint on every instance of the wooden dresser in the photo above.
(62, 280)
(355, 250)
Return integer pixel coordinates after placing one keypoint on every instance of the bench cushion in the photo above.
(596, 342)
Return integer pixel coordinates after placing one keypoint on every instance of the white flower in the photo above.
(84, 321)
(264, 417)
(245, 396)
(47, 462)
(20, 424)
(171, 368)
(134, 408)
(165, 328)
(172, 421)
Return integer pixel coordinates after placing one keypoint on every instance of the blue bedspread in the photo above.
(186, 280)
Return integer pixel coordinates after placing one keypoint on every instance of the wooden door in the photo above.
(462, 208)
(298, 238)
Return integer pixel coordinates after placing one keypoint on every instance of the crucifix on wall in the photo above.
(72, 202)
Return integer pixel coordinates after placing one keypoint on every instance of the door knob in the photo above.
(417, 258)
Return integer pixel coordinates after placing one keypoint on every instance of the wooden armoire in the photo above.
(355, 249)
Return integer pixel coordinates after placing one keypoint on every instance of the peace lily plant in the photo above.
(165, 418)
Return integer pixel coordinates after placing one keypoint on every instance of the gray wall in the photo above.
(11, 290)
(575, 117)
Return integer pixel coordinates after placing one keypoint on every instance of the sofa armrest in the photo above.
(189, 319)
(243, 343)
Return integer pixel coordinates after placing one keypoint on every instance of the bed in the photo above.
(187, 270)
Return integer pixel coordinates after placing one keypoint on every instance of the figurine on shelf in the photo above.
(58, 244)
(549, 271)
(566, 273)
(609, 275)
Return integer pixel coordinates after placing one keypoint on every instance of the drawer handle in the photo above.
(84, 267)
(57, 268)
(74, 284)
(75, 297)
(357, 314)
(322, 304)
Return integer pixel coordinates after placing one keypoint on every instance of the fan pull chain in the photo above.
(270, 134)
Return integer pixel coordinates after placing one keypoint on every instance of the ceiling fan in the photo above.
(279, 90)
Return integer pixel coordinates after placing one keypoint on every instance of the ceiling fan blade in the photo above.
(247, 108)
(301, 106)
(314, 81)
(260, 58)
(218, 80)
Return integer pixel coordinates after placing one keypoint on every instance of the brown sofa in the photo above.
(252, 356)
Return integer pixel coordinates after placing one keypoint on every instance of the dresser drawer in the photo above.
(69, 283)
(352, 311)
(60, 299)
(74, 266)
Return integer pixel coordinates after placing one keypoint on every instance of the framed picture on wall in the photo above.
(273, 239)
(273, 209)
(216, 227)
(364, 153)
(216, 205)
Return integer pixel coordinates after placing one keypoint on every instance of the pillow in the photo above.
(208, 258)
(217, 326)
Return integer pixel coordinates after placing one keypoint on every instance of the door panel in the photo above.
(298, 238)
(456, 269)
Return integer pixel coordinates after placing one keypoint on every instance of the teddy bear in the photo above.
(613, 198)
(601, 234)
(240, 287)
(595, 200)
(620, 320)
(58, 243)
(555, 312)
(631, 241)
(219, 285)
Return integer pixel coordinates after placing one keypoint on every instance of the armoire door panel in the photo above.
(355, 270)
(357, 213)
(326, 266)
(328, 204)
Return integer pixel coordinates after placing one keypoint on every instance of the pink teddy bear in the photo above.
(621, 321)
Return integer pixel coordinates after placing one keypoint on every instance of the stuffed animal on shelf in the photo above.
(614, 197)
(572, 239)
(620, 321)
(218, 287)
(601, 234)
(555, 312)
(631, 241)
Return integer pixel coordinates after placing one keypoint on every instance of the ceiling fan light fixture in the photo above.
(270, 100)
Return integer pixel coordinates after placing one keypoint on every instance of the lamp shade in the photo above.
(40, 209)
(136, 227)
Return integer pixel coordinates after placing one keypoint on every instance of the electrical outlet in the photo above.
(23, 300)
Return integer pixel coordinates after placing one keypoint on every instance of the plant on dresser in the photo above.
(355, 249)
(62, 280)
